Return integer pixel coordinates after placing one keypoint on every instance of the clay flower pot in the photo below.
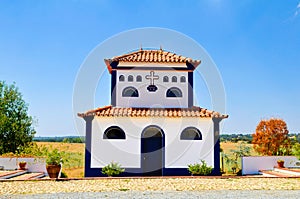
(280, 163)
(22, 165)
(53, 170)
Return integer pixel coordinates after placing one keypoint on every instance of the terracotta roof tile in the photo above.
(152, 56)
(109, 111)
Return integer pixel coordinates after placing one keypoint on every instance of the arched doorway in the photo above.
(152, 151)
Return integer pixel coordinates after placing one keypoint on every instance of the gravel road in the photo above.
(212, 194)
(155, 188)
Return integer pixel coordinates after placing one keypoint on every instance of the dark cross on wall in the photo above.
(152, 77)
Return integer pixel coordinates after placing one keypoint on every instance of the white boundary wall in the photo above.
(252, 164)
(33, 164)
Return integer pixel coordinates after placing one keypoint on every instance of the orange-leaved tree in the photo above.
(271, 138)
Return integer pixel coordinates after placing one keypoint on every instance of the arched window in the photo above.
(114, 132)
(182, 79)
(139, 78)
(166, 79)
(130, 92)
(130, 78)
(191, 133)
(174, 92)
(121, 78)
(174, 79)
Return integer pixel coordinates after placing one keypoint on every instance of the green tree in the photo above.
(16, 126)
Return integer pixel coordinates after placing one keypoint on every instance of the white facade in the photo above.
(152, 99)
(178, 153)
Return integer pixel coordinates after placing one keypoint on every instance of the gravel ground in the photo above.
(211, 194)
(154, 188)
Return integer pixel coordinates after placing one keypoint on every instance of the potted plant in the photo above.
(280, 163)
(22, 165)
(54, 160)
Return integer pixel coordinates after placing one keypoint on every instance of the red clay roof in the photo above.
(109, 111)
(152, 56)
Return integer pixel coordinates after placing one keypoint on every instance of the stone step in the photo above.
(28, 176)
(266, 174)
(292, 172)
(273, 173)
(11, 174)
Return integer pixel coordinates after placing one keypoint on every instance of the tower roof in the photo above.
(109, 111)
(153, 56)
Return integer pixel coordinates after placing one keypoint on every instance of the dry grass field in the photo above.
(227, 146)
(227, 149)
(75, 168)
(68, 147)
(75, 172)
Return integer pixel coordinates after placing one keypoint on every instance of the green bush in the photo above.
(112, 169)
(200, 169)
(296, 150)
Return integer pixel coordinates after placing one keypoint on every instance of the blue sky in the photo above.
(255, 45)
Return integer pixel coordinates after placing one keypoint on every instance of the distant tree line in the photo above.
(236, 138)
(65, 139)
(294, 137)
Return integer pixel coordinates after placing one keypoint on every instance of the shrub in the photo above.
(112, 169)
(296, 150)
(200, 169)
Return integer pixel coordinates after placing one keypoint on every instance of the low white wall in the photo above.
(252, 164)
(33, 164)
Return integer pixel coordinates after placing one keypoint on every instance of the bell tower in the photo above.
(152, 78)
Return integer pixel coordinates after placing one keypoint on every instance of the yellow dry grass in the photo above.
(227, 149)
(75, 172)
(67, 147)
(227, 146)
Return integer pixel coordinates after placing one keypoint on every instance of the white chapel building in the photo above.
(151, 127)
